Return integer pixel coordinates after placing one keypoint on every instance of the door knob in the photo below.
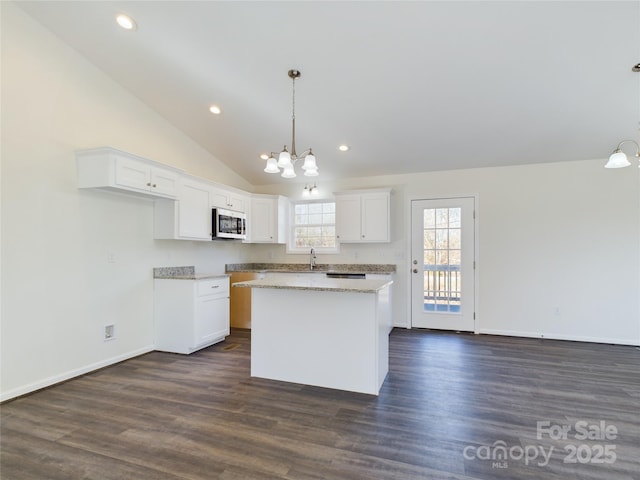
(415, 270)
(415, 262)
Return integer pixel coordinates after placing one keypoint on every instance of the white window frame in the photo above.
(291, 246)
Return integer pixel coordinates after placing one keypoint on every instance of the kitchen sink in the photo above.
(360, 276)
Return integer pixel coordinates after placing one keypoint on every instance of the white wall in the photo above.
(58, 291)
(559, 246)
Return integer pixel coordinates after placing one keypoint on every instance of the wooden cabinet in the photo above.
(188, 218)
(190, 314)
(229, 199)
(363, 217)
(114, 170)
(240, 309)
(268, 219)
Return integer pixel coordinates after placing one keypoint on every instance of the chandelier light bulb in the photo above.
(618, 159)
(288, 172)
(272, 166)
(309, 162)
(284, 159)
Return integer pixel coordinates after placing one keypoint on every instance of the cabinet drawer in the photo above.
(215, 286)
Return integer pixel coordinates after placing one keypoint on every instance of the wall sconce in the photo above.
(618, 158)
(310, 190)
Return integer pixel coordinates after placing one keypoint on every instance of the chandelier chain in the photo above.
(293, 119)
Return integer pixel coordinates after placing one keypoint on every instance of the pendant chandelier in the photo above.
(618, 159)
(285, 159)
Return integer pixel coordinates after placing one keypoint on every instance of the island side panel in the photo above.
(385, 325)
(326, 339)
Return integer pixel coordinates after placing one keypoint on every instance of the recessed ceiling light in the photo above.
(126, 22)
(264, 156)
(344, 148)
(215, 109)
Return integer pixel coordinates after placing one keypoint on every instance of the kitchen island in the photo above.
(326, 332)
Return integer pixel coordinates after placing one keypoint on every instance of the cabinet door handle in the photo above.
(215, 286)
(154, 185)
(148, 184)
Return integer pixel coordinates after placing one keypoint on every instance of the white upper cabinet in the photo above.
(194, 220)
(222, 198)
(189, 218)
(348, 224)
(363, 217)
(111, 169)
(375, 217)
(268, 219)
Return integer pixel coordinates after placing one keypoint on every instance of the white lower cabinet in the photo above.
(190, 314)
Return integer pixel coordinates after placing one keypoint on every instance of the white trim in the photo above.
(47, 382)
(555, 336)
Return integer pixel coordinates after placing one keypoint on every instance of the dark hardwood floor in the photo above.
(449, 401)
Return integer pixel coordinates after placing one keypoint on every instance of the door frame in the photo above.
(476, 249)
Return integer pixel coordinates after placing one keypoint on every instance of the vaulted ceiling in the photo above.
(409, 86)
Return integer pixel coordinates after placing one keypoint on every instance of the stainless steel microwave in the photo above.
(228, 224)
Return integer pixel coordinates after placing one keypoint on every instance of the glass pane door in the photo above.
(443, 249)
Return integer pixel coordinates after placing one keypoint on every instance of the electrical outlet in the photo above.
(109, 332)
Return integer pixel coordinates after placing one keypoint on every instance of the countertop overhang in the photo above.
(318, 284)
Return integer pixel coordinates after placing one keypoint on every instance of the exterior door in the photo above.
(443, 263)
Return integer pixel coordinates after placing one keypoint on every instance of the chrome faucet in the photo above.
(312, 259)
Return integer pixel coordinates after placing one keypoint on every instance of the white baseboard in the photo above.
(401, 325)
(47, 382)
(555, 336)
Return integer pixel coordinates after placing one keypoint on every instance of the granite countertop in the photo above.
(319, 268)
(184, 273)
(318, 284)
